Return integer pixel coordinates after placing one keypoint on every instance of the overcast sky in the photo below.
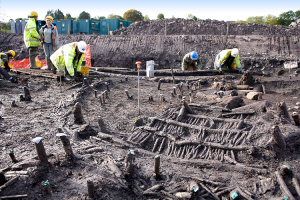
(219, 10)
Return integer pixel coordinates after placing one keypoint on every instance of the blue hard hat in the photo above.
(194, 55)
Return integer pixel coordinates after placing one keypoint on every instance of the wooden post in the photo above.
(101, 125)
(27, 94)
(78, 117)
(158, 86)
(174, 90)
(66, 144)
(278, 137)
(95, 91)
(188, 108)
(86, 82)
(129, 162)
(90, 186)
(282, 110)
(12, 156)
(295, 117)
(2, 178)
(156, 165)
(107, 88)
(40, 149)
(46, 186)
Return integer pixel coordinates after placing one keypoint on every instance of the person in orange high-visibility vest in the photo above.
(50, 40)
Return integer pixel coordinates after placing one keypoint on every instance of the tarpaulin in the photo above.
(18, 64)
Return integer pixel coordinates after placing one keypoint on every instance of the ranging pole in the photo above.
(138, 66)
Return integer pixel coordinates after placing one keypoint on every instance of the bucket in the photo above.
(38, 63)
(10, 65)
(150, 68)
(85, 70)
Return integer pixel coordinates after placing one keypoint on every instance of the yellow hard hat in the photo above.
(49, 17)
(12, 53)
(34, 14)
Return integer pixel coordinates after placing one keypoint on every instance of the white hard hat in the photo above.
(81, 46)
(234, 52)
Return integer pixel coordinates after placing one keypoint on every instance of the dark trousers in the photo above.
(4, 73)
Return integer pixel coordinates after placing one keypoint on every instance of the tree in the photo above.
(256, 20)
(146, 18)
(58, 15)
(68, 16)
(191, 16)
(133, 15)
(271, 19)
(102, 17)
(113, 16)
(50, 13)
(286, 18)
(240, 21)
(84, 15)
(160, 16)
(297, 14)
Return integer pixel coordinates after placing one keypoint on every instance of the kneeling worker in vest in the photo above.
(228, 60)
(4, 58)
(32, 38)
(191, 62)
(69, 56)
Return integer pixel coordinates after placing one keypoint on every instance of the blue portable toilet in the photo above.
(12, 26)
(64, 26)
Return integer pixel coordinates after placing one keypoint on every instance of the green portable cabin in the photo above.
(107, 25)
(86, 26)
(64, 26)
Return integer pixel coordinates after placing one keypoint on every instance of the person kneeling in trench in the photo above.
(69, 56)
(4, 59)
(191, 62)
(228, 60)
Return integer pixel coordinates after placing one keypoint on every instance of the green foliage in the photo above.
(5, 28)
(256, 20)
(271, 19)
(191, 16)
(297, 14)
(84, 15)
(160, 16)
(146, 18)
(50, 13)
(102, 17)
(68, 16)
(133, 15)
(241, 21)
(113, 16)
(58, 15)
(286, 18)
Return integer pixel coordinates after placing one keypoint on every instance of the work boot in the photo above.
(32, 63)
(68, 78)
(48, 64)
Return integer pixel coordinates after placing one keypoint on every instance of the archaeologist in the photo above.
(191, 62)
(69, 56)
(4, 58)
(49, 39)
(228, 60)
(32, 38)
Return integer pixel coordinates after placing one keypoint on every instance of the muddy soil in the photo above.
(205, 147)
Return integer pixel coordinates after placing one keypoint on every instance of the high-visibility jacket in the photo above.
(31, 35)
(187, 60)
(222, 57)
(64, 57)
(4, 60)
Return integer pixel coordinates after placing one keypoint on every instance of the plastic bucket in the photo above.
(38, 63)
(10, 65)
(85, 70)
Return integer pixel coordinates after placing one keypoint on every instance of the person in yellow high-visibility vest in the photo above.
(4, 59)
(32, 38)
(69, 56)
(228, 60)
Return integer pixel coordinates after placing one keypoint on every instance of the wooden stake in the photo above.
(90, 186)
(284, 187)
(107, 88)
(278, 137)
(295, 117)
(158, 86)
(86, 82)
(174, 90)
(66, 144)
(282, 110)
(156, 166)
(40, 149)
(78, 117)
(46, 186)
(27, 94)
(2, 178)
(12, 156)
